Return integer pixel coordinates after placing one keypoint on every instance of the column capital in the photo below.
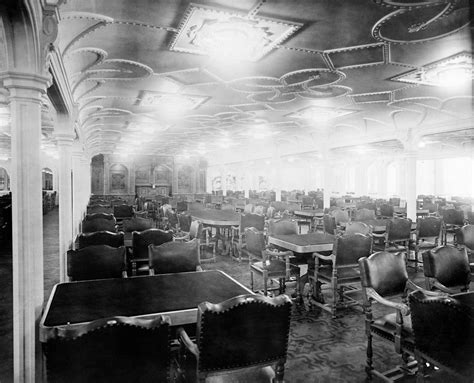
(25, 85)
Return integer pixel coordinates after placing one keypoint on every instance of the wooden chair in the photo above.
(282, 227)
(453, 220)
(96, 262)
(99, 224)
(184, 222)
(427, 234)
(267, 263)
(239, 340)
(358, 227)
(385, 280)
(140, 243)
(174, 257)
(443, 328)
(397, 235)
(386, 211)
(238, 232)
(204, 235)
(446, 268)
(329, 224)
(122, 212)
(342, 273)
(341, 217)
(110, 350)
(100, 238)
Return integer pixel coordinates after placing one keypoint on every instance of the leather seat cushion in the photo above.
(346, 275)
(388, 323)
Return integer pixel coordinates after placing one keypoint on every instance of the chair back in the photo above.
(181, 206)
(136, 224)
(443, 328)
(329, 224)
(123, 211)
(184, 220)
(92, 216)
(470, 217)
(99, 209)
(465, 237)
(252, 220)
(141, 241)
(349, 248)
(428, 227)
(172, 217)
(248, 208)
(282, 227)
(447, 264)
(398, 229)
(99, 224)
(431, 207)
(358, 227)
(340, 216)
(394, 201)
(270, 212)
(174, 257)
(101, 238)
(364, 214)
(114, 349)
(385, 272)
(244, 331)
(96, 262)
(452, 217)
(195, 229)
(255, 241)
(386, 210)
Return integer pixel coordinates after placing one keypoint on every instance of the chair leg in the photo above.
(279, 372)
(334, 296)
(251, 280)
(369, 367)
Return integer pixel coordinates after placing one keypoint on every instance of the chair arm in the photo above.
(183, 238)
(124, 274)
(186, 341)
(279, 254)
(413, 286)
(443, 288)
(199, 268)
(324, 257)
(403, 308)
(381, 235)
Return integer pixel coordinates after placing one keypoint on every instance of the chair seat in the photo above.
(344, 275)
(276, 267)
(252, 374)
(385, 327)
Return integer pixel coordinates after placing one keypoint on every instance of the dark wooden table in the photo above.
(303, 243)
(174, 295)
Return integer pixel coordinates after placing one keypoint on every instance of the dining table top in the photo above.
(303, 243)
(216, 217)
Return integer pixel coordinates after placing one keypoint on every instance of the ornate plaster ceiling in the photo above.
(146, 80)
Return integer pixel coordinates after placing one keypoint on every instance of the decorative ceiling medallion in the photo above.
(446, 72)
(320, 113)
(212, 31)
(425, 22)
(325, 92)
(148, 98)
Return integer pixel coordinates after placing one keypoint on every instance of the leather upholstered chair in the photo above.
(384, 280)
(136, 224)
(96, 262)
(443, 328)
(267, 263)
(174, 257)
(427, 234)
(204, 235)
(141, 241)
(184, 221)
(342, 272)
(386, 211)
(100, 238)
(91, 217)
(329, 224)
(99, 224)
(341, 217)
(99, 208)
(110, 350)
(238, 232)
(465, 238)
(364, 214)
(282, 227)
(397, 235)
(123, 211)
(446, 268)
(239, 340)
(358, 227)
(453, 220)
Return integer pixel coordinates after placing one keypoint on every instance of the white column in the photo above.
(66, 214)
(410, 183)
(25, 92)
(361, 179)
(78, 181)
(382, 179)
(278, 165)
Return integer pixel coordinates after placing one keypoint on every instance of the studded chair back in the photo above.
(453, 217)
(465, 237)
(386, 210)
(96, 262)
(185, 220)
(136, 224)
(255, 242)
(101, 238)
(174, 257)
(244, 331)
(99, 224)
(141, 241)
(110, 350)
(252, 220)
(428, 227)
(358, 227)
(364, 214)
(123, 211)
(92, 216)
(448, 266)
(349, 248)
(398, 230)
(282, 227)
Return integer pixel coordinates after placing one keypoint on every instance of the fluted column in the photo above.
(25, 92)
